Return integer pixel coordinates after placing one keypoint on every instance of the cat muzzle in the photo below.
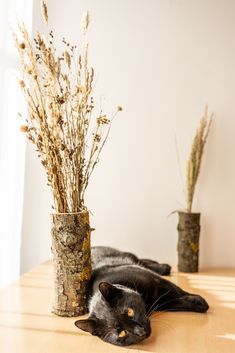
(141, 331)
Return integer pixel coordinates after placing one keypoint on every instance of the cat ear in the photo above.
(110, 292)
(87, 325)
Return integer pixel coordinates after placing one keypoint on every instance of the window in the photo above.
(12, 142)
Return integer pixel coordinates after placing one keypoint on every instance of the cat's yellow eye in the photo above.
(130, 312)
(122, 333)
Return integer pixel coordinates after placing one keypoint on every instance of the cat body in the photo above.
(125, 290)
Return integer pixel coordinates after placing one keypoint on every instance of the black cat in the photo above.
(125, 291)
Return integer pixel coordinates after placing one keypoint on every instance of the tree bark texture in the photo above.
(71, 261)
(188, 241)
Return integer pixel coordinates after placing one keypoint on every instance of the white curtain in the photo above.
(12, 141)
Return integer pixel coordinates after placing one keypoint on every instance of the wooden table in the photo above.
(27, 326)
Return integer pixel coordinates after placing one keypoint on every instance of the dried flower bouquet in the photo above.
(69, 136)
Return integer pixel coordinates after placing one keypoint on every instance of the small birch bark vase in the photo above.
(188, 241)
(71, 251)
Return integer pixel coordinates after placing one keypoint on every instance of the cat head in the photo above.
(117, 315)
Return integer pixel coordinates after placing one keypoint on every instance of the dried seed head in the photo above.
(24, 128)
(67, 59)
(195, 158)
(22, 45)
(85, 21)
(97, 138)
(22, 83)
(44, 11)
(103, 120)
(60, 100)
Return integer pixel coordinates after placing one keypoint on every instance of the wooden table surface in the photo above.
(27, 326)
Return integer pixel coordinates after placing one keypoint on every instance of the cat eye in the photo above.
(130, 312)
(122, 333)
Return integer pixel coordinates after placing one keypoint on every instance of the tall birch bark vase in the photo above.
(188, 241)
(71, 251)
(69, 147)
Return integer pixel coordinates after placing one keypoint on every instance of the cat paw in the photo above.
(164, 269)
(199, 304)
(161, 269)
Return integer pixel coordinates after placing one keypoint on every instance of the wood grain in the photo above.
(27, 325)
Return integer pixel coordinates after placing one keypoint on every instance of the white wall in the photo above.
(162, 60)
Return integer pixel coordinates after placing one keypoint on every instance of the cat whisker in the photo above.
(168, 310)
(149, 312)
(168, 301)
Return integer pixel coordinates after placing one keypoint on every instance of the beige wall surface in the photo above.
(162, 60)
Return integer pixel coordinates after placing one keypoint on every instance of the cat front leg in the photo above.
(170, 297)
(183, 302)
(190, 302)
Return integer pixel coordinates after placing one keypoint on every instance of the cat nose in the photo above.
(139, 331)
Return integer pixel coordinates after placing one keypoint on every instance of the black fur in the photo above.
(122, 282)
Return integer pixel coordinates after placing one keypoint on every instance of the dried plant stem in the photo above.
(195, 158)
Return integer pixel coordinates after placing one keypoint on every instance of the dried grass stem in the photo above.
(195, 158)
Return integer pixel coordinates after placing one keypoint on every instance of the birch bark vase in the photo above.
(70, 234)
(188, 241)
